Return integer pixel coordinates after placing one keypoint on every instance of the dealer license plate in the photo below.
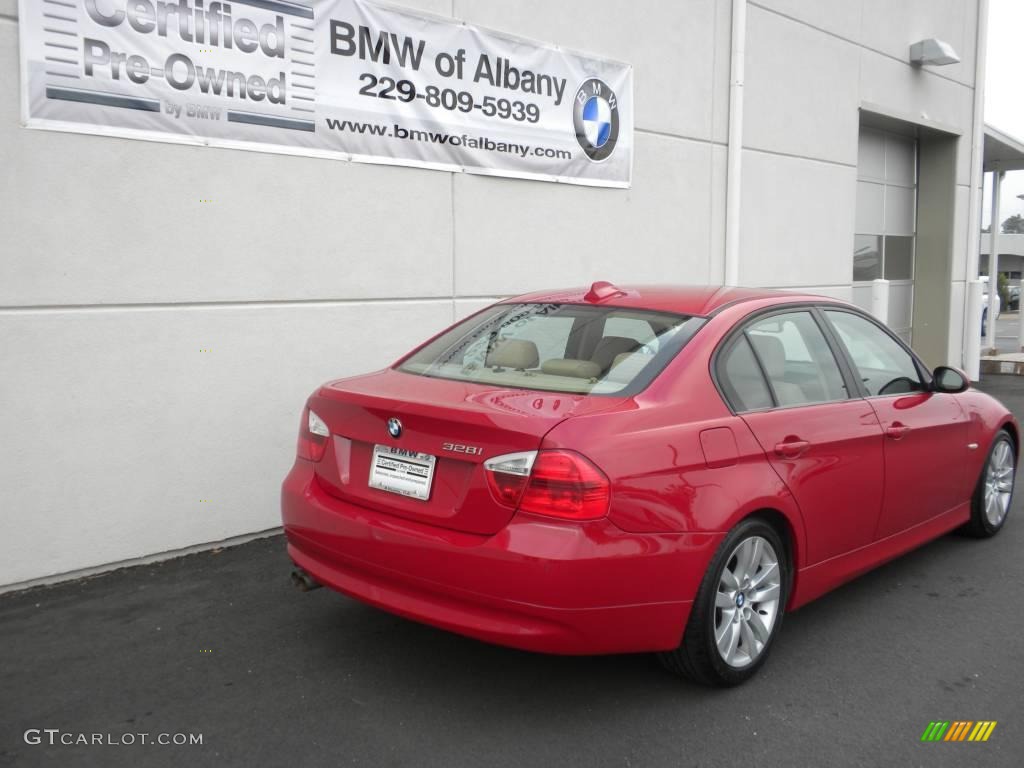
(406, 473)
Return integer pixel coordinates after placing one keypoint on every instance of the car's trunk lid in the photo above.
(461, 424)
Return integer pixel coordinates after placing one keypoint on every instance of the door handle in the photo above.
(896, 430)
(791, 449)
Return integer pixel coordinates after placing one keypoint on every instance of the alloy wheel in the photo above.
(747, 601)
(999, 483)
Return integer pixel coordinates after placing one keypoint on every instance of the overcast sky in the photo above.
(1004, 94)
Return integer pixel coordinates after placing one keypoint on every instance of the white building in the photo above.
(152, 380)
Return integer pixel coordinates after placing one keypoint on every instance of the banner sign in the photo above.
(350, 79)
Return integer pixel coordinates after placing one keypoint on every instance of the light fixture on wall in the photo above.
(932, 52)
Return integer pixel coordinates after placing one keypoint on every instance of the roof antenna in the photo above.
(602, 290)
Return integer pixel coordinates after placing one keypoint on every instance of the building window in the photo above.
(867, 257)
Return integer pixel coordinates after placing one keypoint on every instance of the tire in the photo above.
(996, 483)
(698, 657)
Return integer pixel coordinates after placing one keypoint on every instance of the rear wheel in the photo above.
(994, 492)
(738, 609)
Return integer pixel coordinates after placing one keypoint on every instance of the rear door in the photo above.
(926, 453)
(781, 375)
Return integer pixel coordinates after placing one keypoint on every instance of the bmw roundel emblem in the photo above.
(740, 600)
(394, 427)
(595, 116)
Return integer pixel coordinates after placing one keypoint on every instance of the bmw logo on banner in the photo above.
(596, 118)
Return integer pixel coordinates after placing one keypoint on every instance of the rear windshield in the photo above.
(556, 347)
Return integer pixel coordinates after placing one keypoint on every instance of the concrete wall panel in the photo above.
(797, 227)
(794, 72)
(513, 238)
(141, 431)
(842, 19)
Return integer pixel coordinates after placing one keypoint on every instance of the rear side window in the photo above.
(556, 347)
(800, 366)
(884, 366)
(781, 360)
(741, 378)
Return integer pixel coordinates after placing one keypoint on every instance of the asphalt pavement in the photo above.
(220, 644)
(1006, 333)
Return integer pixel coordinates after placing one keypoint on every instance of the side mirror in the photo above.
(951, 380)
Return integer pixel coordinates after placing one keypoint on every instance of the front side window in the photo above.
(885, 367)
(556, 347)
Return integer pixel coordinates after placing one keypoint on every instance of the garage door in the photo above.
(886, 222)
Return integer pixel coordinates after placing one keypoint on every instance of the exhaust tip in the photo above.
(303, 580)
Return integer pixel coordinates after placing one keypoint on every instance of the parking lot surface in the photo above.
(221, 644)
(1006, 333)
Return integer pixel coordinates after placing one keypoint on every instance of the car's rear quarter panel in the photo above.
(665, 477)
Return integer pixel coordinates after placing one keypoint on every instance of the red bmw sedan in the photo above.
(662, 469)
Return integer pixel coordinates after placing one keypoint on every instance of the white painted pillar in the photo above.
(734, 151)
(1020, 327)
(972, 334)
(880, 299)
(993, 261)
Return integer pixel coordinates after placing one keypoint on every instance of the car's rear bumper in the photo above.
(537, 584)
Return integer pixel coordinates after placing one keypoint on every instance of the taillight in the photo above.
(313, 434)
(562, 484)
(507, 475)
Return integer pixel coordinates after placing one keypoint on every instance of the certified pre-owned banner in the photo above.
(335, 78)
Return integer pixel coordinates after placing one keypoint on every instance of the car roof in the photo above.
(682, 299)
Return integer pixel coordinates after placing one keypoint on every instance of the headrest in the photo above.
(580, 369)
(513, 353)
(772, 354)
(610, 347)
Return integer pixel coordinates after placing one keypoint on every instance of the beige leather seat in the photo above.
(773, 358)
(611, 347)
(513, 353)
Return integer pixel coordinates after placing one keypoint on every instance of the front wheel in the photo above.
(994, 492)
(738, 609)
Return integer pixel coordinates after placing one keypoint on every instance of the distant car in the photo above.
(1013, 297)
(643, 469)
